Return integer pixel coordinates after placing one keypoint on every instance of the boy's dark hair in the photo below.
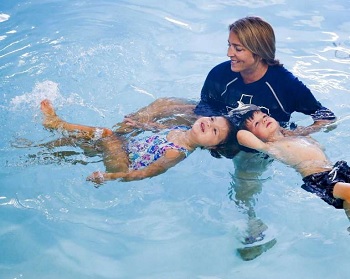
(229, 147)
(244, 119)
(242, 125)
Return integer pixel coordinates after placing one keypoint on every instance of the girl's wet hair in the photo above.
(229, 147)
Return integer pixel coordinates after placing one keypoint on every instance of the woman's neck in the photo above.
(255, 73)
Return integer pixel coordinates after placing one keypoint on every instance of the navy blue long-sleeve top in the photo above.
(278, 91)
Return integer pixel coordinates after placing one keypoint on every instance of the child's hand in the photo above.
(96, 177)
(99, 177)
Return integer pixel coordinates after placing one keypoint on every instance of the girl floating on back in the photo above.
(141, 157)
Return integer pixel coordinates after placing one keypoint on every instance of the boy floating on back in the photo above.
(330, 182)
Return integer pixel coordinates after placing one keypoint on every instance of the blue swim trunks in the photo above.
(322, 183)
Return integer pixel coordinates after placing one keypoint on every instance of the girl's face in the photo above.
(242, 59)
(262, 125)
(210, 131)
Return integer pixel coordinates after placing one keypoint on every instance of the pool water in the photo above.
(100, 60)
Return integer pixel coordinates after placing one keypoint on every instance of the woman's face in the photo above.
(242, 60)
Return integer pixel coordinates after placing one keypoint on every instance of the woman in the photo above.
(252, 76)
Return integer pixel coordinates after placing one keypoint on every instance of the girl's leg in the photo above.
(52, 121)
(115, 158)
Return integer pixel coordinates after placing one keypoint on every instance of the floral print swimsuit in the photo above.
(145, 150)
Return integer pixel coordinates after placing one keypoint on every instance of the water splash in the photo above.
(48, 90)
(42, 90)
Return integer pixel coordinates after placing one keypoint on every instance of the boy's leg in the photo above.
(52, 121)
(346, 206)
(341, 190)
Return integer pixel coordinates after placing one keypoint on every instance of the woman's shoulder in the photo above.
(279, 72)
(279, 76)
(278, 69)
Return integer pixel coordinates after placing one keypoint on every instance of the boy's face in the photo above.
(262, 125)
(210, 131)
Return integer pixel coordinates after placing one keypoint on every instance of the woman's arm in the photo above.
(170, 159)
(160, 109)
(146, 126)
(295, 96)
(327, 125)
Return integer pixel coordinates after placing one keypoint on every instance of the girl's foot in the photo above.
(51, 120)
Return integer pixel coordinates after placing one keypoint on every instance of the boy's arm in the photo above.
(248, 139)
(170, 159)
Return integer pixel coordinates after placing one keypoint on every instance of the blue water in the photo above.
(99, 60)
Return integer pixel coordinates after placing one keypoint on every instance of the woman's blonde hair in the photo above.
(257, 36)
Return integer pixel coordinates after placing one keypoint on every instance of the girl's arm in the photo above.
(248, 139)
(170, 159)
